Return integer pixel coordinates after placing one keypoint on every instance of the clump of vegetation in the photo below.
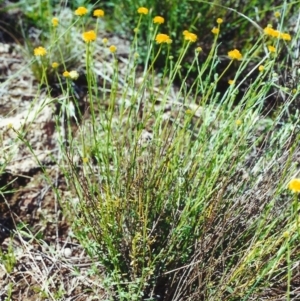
(182, 192)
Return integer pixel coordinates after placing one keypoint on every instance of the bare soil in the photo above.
(48, 262)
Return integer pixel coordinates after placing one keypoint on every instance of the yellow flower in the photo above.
(238, 122)
(54, 22)
(158, 20)
(294, 185)
(286, 234)
(81, 11)
(98, 13)
(89, 36)
(286, 36)
(215, 30)
(54, 65)
(85, 159)
(143, 10)
(231, 82)
(112, 48)
(189, 36)
(73, 74)
(104, 41)
(261, 68)
(277, 14)
(271, 32)
(219, 21)
(271, 48)
(66, 74)
(40, 51)
(163, 38)
(198, 49)
(235, 54)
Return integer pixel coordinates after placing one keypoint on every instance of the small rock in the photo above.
(67, 252)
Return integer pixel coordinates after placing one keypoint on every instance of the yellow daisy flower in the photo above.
(271, 32)
(98, 13)
(277, 14)
(143, 10)
(158, 20)
(294, 185)
(40, 51)
(66, 74)
(272, 48)
(54, 65)
(219, 21)
(286, 36)
(163, 38)
(189, 36)
(89, 36)
(55, 22)
(261, 68)
(112, 48)
(215, 30)
(81, 11)
(235, 54)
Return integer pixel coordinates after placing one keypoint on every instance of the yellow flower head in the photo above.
(143, 10)
(112, 48)
(89, 36)
(158, 20)
(238, 122)
(286, 234)
(272, 48)
(261, 68)
(104, 41)
(73, 74)
(277, 14)
(55, 22)
(286, 36)
(163, 38)
(81, 11)
(66, 74)
(189, 36)
(40, 51)
(215, 30)
(219, 21)
(54, 65)
(198, 49)
(98, 13)
(231, 82)
(269, 31)
(235, 54)
(294, 185)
